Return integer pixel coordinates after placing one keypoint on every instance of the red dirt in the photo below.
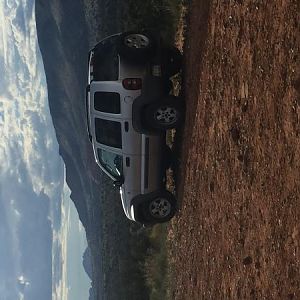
(237, 234)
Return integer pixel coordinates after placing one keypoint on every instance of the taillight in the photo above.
(132, 83)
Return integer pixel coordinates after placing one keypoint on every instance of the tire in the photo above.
(167, 114)
(160, 208)
(136, 46)
(172, 61)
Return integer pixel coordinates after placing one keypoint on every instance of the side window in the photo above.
(108, 133)
(113, 163)
(106, 61)
(107, 102)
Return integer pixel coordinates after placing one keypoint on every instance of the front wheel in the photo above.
(167, 114)
(161, 208)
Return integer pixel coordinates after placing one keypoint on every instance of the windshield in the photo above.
(111, 162)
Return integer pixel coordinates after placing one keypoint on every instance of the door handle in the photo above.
(126, 125)
(127, 161)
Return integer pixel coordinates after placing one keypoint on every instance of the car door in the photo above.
(108, 102)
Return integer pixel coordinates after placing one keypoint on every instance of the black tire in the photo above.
(161, 208)
(172, 61)
(144, 50)
(166, 114)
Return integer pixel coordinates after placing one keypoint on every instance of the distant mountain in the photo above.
(87, 262)
(62, 36)
(66, 30)
(63, 51)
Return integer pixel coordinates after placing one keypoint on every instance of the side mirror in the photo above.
(118, 182)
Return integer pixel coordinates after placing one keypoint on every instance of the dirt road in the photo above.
(237, 235)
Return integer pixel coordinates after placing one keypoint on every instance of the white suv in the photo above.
(129, 109)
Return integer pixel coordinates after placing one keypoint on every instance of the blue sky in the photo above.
(37, 218)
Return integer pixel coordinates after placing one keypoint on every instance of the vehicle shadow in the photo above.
(195, 38)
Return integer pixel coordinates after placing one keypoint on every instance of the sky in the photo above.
(41, 237)
(70, 241)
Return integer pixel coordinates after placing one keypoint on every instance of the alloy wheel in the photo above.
(166, 115)
(137, 41)
(160, 208)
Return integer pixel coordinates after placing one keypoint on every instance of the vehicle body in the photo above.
(129, 110)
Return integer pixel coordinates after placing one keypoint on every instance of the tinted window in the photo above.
(107, 102)
(106, 61)
(108, 133)
(111, 162)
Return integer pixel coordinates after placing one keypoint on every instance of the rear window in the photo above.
(108, 133)
(106, 61)
(107, 102)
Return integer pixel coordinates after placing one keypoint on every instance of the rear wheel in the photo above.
(166, 114)
(136, 46)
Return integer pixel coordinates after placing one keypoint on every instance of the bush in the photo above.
(156, 264)
(155, 15)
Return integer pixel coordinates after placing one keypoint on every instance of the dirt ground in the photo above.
(237, 233)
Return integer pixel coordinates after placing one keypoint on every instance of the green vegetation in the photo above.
(155, 15)
(156, 263)
(131, 261)
(106, 17)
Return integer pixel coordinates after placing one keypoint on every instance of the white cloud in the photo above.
(60, 289)
(29, 159)
(23, 281)
(30, 164)
(21, 296)
(26, 130)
